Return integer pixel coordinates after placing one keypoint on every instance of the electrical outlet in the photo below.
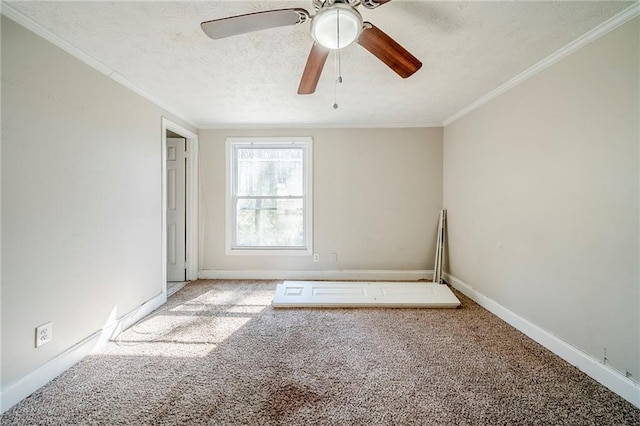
(316, 257)
(334, 257)
(44, 334)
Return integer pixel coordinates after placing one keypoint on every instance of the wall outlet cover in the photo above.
(44, 334)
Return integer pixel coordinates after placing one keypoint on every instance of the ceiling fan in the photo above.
(335, 25)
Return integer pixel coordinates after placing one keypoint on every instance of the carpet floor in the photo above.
(218, 354)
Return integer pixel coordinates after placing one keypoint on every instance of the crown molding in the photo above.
(602, 29)
(22, 19)
(242, 126)
(35, 27)
(592, 35)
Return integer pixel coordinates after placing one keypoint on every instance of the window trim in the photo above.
(230, 217)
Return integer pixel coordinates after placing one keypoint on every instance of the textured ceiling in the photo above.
(468, 49)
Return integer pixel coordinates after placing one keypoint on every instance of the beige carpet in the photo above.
(218, 354)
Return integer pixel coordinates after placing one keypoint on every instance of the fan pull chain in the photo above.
(338, 79)
(338, 64)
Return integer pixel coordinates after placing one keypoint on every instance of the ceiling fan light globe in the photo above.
(324, 27)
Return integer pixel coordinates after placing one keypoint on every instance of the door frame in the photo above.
(191, 244)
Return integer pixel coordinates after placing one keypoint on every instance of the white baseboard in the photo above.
(607, 376)
(17, 391)
(136, 315)
(352, 274)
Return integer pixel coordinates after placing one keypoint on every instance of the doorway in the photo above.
(179, 206)
(176, 208)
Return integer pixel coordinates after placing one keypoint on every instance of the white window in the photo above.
(269, 203)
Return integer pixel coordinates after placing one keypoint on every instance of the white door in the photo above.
(176, 209)
(335, 294)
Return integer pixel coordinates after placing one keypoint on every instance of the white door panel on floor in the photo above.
(332, 294)
(176, 209)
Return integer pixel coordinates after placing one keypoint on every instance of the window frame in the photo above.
(231, 198)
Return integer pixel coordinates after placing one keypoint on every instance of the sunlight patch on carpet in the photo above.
(190, 329)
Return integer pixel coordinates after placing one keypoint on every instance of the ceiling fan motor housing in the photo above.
(336, 26)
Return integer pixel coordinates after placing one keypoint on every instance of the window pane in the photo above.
(270, 171)
(270, 222)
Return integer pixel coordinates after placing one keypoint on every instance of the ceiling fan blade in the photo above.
(388, 51)
(313, 69)
(372, 4)
(241, 24)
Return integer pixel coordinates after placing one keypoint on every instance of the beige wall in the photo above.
(542, 191)
(377, 193)
(81, 200)
(541, 185)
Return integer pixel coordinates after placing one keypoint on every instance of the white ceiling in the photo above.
(467, 48)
